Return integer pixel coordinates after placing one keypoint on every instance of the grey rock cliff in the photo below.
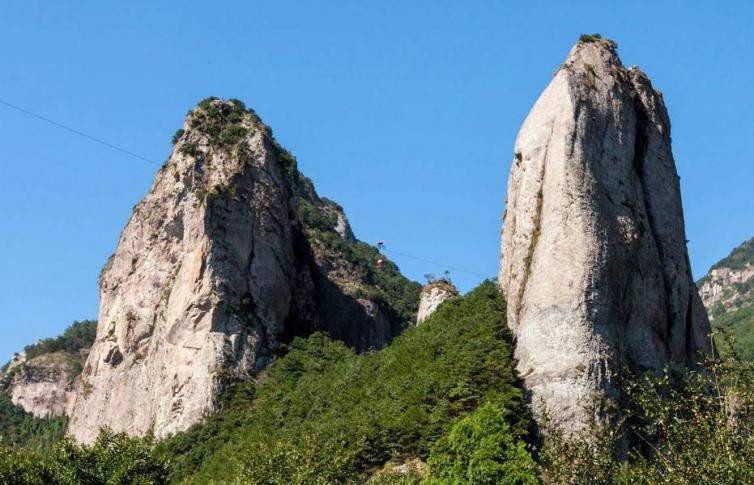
(213, 269)
(594, 264)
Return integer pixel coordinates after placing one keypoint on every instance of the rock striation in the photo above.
(594, 264)
(225, 257)
(432, 296)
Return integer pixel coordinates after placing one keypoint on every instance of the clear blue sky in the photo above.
(403, 112)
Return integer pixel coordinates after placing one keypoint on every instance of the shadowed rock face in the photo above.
(212, 270)
(594, 264)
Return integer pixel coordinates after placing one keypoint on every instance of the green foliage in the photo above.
(26, 467)
(114, 459)
(221, 120)
(232, 134)
(595, 38)
(739, 258)
(322, 414)
(190, 149)
(480, 449)
(734, 333)
(290, 170)
(315, 218)
(78, 336)
(396, 295)
(206, 103)
(20, 428)
(700, 431)
(178, 134)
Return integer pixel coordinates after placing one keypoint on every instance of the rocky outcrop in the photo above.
(729, 285)
(18, 359)
(44, 386)
(411, 470)
(594, 263)
(432, 296)
(215, 267)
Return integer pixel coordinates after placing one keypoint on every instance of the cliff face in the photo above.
(213, 269)
(594, 261)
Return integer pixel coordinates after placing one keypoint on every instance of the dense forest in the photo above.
(441, 404)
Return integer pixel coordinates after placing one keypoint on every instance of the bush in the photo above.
(178, 134)
(596, 38)
(232, 134)
(480, 449)
(190, 149)
(220, 120)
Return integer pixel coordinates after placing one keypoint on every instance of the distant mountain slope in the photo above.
(36, 387)
(728, 293)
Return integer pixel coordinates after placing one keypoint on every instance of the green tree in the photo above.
(480, 449)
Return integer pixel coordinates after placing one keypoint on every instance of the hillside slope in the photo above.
(322, 414)
(37, 386)
(728, 294)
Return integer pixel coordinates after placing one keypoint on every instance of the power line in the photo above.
(77, 132)
(435, 263)
(151, 162)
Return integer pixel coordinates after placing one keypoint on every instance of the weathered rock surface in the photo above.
(213, 269)
(44, 386)
(594, 261)
(432, 296)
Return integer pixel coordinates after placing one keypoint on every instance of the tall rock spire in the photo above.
(230, 252)
(594, 264)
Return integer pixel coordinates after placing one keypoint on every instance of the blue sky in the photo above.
(403, 112)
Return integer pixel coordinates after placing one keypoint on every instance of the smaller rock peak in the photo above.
(433, 295)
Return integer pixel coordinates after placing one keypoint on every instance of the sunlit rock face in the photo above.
(212, 271)
(594, 264)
